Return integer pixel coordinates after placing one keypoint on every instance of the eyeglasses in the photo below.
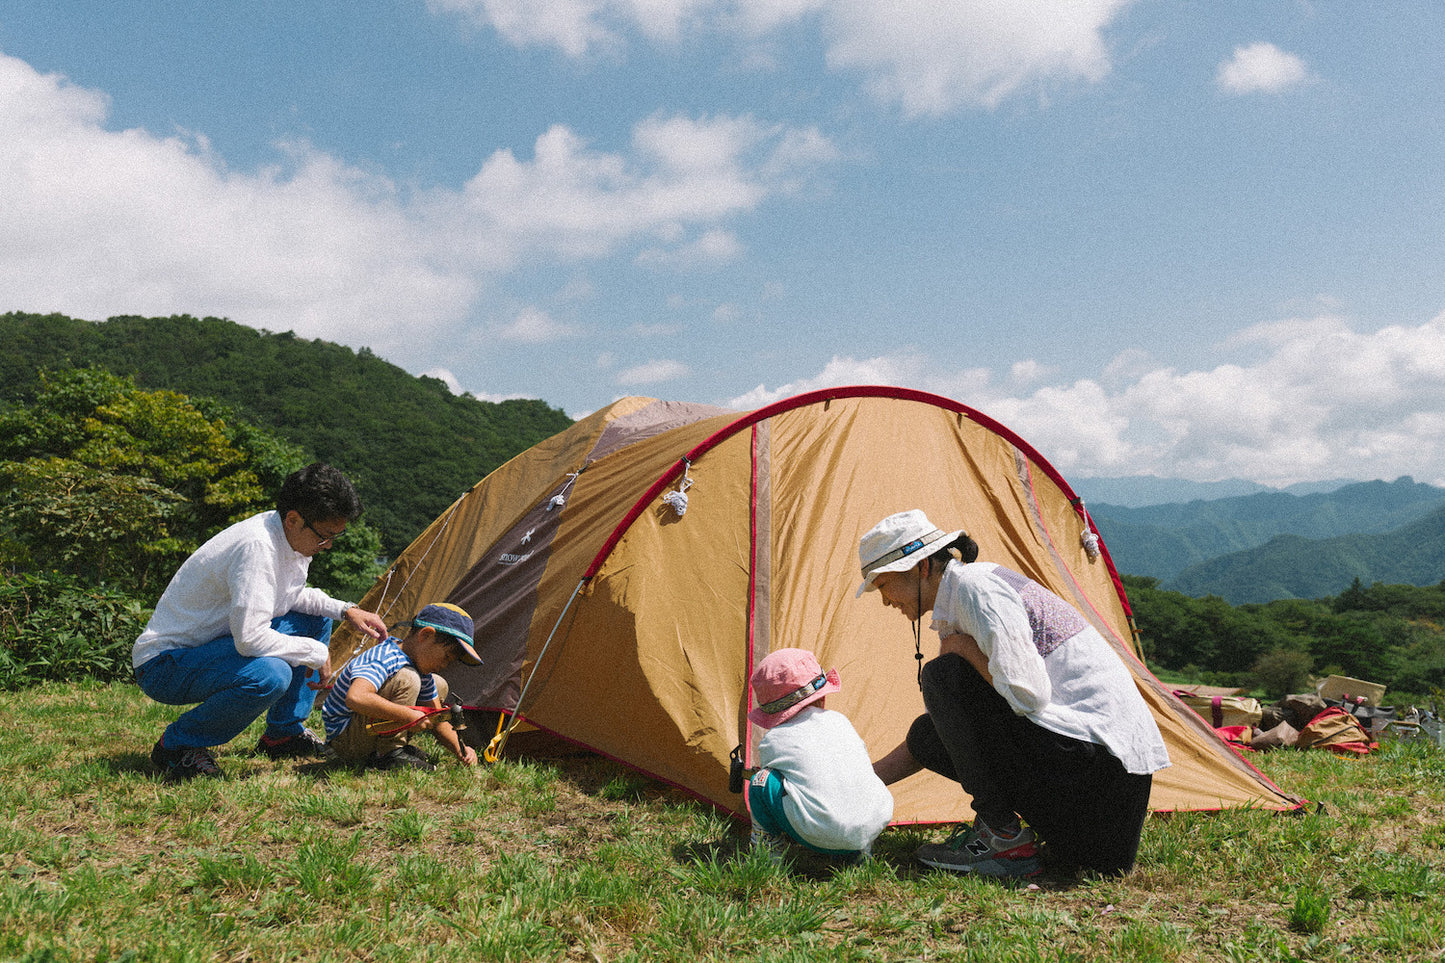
(325, 539)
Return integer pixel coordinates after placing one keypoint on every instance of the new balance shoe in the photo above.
(978, 849)
(304, 745)
(178, 765)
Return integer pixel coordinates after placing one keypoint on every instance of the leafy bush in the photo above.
(54, 627)
(1282, 671)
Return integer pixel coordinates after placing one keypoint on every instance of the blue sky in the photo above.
(1192, 239)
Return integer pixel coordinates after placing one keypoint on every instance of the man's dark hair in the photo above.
(318, 492)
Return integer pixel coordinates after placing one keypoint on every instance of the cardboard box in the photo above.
(1338, 686)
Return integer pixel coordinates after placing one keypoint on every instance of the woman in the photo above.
(1028, 708)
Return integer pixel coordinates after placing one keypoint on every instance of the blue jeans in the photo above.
(233, 690)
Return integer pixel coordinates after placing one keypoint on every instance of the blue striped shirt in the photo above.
(376, 665)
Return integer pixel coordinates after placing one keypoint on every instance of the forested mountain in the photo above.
(1162, 541)
(1289, 566)
(410, 446)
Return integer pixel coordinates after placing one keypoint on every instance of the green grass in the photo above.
(577, 859)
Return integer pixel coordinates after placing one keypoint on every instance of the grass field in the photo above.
(577, 859)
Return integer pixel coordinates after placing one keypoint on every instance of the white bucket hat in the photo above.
(896, 544)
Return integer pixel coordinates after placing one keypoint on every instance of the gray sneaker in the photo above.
(978, 849)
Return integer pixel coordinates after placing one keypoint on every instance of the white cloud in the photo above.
(927, 57)
(1317, 400)
(1260, 68)
(907, 369)
(96, 222)
(455, 387)
(660, 332)
(444, 375)
(535, 326)
(713, 247)
(932, 58)
(575, 27)
(1029, 372)
(572, 202)
(653, 372)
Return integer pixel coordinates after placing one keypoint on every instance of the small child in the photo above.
(815, 784)
(381, 691)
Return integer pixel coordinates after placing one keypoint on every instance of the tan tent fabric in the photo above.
(647, 622)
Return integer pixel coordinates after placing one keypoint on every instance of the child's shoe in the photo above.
(773, 845)
(403, 757)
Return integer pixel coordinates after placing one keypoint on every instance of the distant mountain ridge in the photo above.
(1289, 566)
(1272, 544)
(1139, 491)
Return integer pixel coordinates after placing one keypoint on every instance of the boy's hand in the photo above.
(468, 755)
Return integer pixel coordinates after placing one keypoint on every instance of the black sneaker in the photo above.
(178, 765)
(304, 745)
(403, 757)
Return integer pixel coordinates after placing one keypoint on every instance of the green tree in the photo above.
(104, 491)
(114, 485)
(62, 515)
(371, 419)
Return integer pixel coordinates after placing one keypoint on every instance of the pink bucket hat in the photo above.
(785, 682)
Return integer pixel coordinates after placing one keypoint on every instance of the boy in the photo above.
(375, 706)
(816, 784)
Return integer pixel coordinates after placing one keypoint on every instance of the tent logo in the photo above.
(511, 558)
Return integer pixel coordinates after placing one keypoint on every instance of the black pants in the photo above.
(1076, 795)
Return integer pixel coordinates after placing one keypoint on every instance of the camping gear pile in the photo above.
(626, 576)
(1343, 715)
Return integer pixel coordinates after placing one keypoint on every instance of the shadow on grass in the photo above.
(129, 762)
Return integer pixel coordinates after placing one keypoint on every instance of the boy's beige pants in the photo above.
(355, 744)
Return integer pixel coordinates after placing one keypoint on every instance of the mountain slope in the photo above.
(410, 445)
(1289, 566)
(1164, 540)
(1139, 491)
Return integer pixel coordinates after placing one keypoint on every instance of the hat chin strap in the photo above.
(918, 631)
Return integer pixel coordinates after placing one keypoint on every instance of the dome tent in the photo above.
(627, 574)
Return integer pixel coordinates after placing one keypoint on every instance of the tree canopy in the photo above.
(116, 486)
(409, 445)
(1386, 633)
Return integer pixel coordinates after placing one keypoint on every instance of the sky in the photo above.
(1202, 239)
